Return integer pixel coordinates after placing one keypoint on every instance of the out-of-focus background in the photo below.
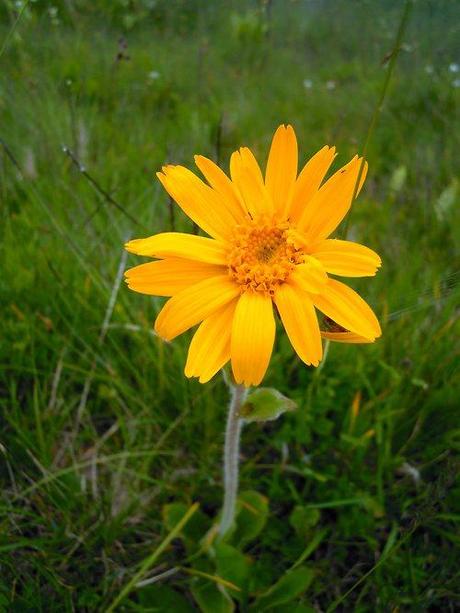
(104, 443)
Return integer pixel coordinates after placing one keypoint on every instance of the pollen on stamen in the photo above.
(262, 256)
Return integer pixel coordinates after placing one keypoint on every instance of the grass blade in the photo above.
(152, 558)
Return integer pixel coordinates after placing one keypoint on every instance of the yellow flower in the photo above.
(268, 247)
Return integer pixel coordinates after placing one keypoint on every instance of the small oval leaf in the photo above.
(265, 404)
(211, 598)
(233, 566)
(196, 528)
(251, 517)
(291, 585)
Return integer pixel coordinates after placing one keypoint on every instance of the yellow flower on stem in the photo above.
(268, 247)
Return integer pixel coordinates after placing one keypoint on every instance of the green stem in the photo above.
(231, 457)
(13, 27)
(379, 106)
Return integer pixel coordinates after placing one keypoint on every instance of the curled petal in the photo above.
(345, 337)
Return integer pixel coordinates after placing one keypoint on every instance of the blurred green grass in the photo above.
(100, 431)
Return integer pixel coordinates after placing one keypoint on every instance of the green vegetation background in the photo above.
(100, 429)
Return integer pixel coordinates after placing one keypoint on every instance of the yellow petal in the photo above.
(281, 171)
(247, 177)
(219, 181)
(209, 350)
(300, 322)
(344, 306)
(168, 277)
(199, 201)
(310, 276)
(309, 180)
(345, 337)
(176, 244)
(193, 304)
(346, 258)
(253, 334)
(331, 203)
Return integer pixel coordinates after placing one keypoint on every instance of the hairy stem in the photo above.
(231, 457)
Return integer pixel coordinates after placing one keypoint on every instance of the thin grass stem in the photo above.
(13, 27)
(392, 57)
(152, 558)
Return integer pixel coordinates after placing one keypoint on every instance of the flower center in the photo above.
(262, 255)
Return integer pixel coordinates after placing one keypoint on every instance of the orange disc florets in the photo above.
(263, 255)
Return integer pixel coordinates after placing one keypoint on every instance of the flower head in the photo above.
(268, 250)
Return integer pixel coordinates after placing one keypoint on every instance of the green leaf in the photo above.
(194, 530)
(265, 404)
(251, 517)
(211, 598)
(233, 566)
(312, 546)
(163, 598)
(291, 585)
(303, 519)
